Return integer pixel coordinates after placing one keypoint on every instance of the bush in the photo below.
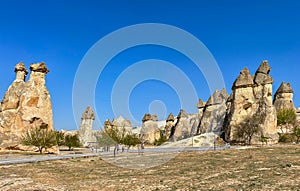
(289, 137)
(283, 138)
(60, 138)
(162, 139)
(286, 116)
(104, 139)
(248, 128)
(72, 141)
(130, 140)
(116, 134)
(40, 137)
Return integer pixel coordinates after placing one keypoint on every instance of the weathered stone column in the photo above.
(86, 128)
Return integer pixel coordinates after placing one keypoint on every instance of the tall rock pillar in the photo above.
(25, 105)
(86, 128)
(252, 105)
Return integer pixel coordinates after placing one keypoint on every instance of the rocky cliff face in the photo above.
(184, 126)
(252, 97)
(85, 132)
(283, 98)
(170, 122)
(121, 125)
(25, 104)
(213, 113)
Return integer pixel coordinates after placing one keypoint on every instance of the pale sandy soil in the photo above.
(266, 168)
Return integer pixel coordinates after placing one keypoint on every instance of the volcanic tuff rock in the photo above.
(183, 127)
(25, 104)
(283, 98)
(251, 97)
(213, 113)
(150, 128)
(170, 122)
(244, 80)
(200, 106)
(298, 114)
(121, 125)
(85, 132)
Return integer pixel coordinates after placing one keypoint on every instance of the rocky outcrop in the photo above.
(283, 98)
(120, 125)
(298, 114)
(85, 132)
(252, 100)
(170, 122)
(214, 113)
(25, 104)
(150, 129)
(183, 127)
(200, 106)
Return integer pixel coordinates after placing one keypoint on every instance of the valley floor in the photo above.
(265, 168)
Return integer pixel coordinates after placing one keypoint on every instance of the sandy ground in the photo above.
(265, 168)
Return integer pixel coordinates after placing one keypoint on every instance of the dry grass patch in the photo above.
(266, 168)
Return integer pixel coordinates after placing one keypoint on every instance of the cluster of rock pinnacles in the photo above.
(27, 105)
(222, 114)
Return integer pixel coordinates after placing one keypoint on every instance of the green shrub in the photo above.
(283, 138)
(72, 141)
(286, 116)
(162, 139)
(104, 139)
(40, 137)
(60, 138)
(130, 140)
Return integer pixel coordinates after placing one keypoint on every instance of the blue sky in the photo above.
(237, 33)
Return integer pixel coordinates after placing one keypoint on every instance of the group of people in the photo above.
(141, 148)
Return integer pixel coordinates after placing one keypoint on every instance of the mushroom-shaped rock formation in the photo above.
(243, 80)
(262, 74)
(21, 72)
(213, 114)
(85, 132)
(283, 98)
(170, 117)
(252, 97)
(25, 104)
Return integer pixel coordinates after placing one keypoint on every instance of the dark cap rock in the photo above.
(88, 114)
(264, 67)
(182, 114)
(170, 117)
(200, 104)
(21, 67)
(216, 98)
(262, 74)
(284, 88)
(243, 80)
(39, 67)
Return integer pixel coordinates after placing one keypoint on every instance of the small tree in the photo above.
(104, 139)
(252, 124)
(40, 137)
(247, 129)
(286, 116)
(72, 141)
(130, 140)
(116, 134)
(60, 138)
